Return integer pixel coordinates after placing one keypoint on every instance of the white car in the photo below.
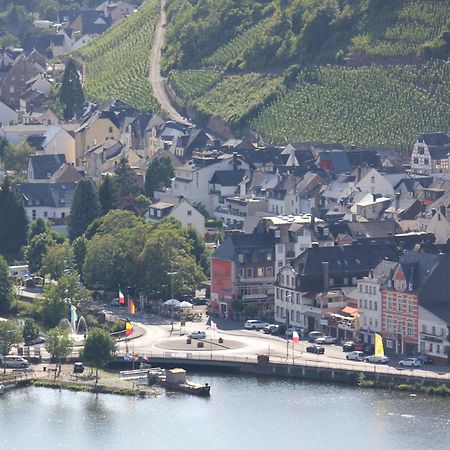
(254, 324)
(411, 362)
(377, 359)
(197, 335)
(355, 356)
(325, 340)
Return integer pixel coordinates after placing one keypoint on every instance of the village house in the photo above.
(42, 167)
(7, 115)
(430, 153)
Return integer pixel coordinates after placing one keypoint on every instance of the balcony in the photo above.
(431, 337)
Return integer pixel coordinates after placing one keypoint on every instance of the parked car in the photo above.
(197, 335)
(377, 359)
(425, 359)
(355, 356)
(269, 328)
(78, 367)
(325, 340)
(317, 349)
(115, 302)
(14, 362)
(410, 362)
(254, 324)
(348, 346)
(313, 335)
(280, 330)
(37, 341)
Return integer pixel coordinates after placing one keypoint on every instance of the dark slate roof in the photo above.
(47, 194)
(439, 152)
(344, 262)
(35, 141)
(228, 177)
(434, 139)
(44, 166)
(371, 229)
(429, 275)
(236, 242)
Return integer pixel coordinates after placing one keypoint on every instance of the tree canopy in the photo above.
(85, 208)
(59, 344)
(9, 335)
(108, 194)
(159, 174)
(14, 225)
(71, 93)
(6, 286)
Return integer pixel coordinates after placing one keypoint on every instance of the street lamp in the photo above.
(171, 275)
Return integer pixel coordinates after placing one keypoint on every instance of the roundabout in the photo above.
(181, 344)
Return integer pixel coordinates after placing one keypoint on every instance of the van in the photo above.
(14, 362)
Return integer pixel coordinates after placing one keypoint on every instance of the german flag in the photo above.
(131, 307)
(128, 328)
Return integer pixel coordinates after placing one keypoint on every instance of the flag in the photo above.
(73, 314)
(128, 328)
(295, 337)
(121, 298)
(379, 349)
(131, 307)
(213, 326)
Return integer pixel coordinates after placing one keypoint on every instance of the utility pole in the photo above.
(171, 275)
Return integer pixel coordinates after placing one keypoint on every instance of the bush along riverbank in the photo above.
(99, 389)
(416, 388)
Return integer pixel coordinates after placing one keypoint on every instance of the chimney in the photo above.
(442, 210)
(235, 161)
(326, 275)
(397, 201)
(359, 174)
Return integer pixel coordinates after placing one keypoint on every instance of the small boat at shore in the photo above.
(175, 380)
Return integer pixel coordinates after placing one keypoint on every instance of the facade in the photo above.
(430, 153)
(433, 334)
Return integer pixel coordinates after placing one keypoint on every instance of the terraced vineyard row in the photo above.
(417, 22)
(118, 61)
(191, 84)
(368, 106)
(233, 98)
(237, 47)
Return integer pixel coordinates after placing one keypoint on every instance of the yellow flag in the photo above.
(379, 350)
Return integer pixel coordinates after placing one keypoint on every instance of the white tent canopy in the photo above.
(184, 304)
(172, 302)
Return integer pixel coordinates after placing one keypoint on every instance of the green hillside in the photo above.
(117, 62)
(352, 71)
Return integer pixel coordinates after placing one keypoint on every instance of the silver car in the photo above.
(411, 362)
(355, 356)
(377, 359)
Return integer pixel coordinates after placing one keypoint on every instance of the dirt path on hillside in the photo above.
(156, 80)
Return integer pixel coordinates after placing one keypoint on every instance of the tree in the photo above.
(79, 252)
(54, 306)
(59, 344)
(6, 286)
(159, 174)
(4, 145)
(14, 223)
(9, 335)
(98, 349)
(30, 331)
(108, 195)
(57, 259)
(198, 249)
(16, 157)
(126, 179)
(85, 208)
(71, 94)
(39, 226)
(37, 250)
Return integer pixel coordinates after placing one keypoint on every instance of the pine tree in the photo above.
(126, 180)
(159, 173)
(71, 94)
(85, 208)
(108, 195)
(13, 221)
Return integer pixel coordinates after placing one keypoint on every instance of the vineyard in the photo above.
(233, 98)
(402, 32)
(367, 106)
(117, 62)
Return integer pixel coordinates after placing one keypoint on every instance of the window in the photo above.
(280, 263)
(360, 303)
(421, 151)
(389, 343)
(370, 304)
(375, 291)
(241, 272)
(376, 323)
(269, 256)
(158, 213)
(45, 214)
(389, 324)
(249, 272)
(416, 160)
(390, 306)
(438, 348)
(366, 289)
(410, 306)
(298, 316)
(372, 179)
(360, 288)
(278, 311)
(399, 305)
(282, 280)
(298, 302)
(33, 213)
(241, 257)
(345, 280)
(269, 271)
(433, 330)
(375, 305)
(409, 329)
(110, 129)
(426, 161)
(282, 313)
(63, 215)
(260, 272)
(292, 315)
(365, 303)
(189, 212)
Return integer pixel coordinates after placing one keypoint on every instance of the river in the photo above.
(243, 412)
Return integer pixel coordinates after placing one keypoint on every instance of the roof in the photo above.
(67, 173)
(228, 177)
(57, 195)
(235, 242)
(435, 139)
(44, 166)
(439, 152)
